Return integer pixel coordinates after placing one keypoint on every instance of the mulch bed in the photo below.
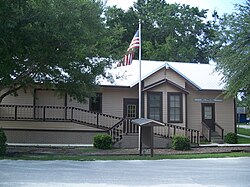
(80, 151)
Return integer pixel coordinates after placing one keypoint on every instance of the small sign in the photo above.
(208, 100)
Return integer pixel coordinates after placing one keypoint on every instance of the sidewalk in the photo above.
(224, 145)
(244, 126)
(242, 135)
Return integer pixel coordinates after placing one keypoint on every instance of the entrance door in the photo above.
(130, 108)
(208, 115)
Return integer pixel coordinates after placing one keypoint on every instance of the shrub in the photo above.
(180, 143)
(231, 138)
(3, 140)
(103, 141)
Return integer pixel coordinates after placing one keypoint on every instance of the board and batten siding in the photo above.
(168, 74)
(159, 75)
(225, 116)
(175, 78)
(49, 98)
(224, 109)
(112, 99)
(22, 98)
(74, 103)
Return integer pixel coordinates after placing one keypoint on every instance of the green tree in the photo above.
(232, 51)
(170, 32)
(52, 43)
(120, 27)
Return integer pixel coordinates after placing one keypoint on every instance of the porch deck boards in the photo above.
(37, 125)
(32, 132)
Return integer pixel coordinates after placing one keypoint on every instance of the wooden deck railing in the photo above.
(57, 113)
(121, 128)
(219, 130)
(206, 131)
(116, 126)
(168, 131)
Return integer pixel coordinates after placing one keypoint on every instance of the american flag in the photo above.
(127, 59)
(135, 43)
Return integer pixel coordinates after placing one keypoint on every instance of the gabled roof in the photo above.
(202, 76)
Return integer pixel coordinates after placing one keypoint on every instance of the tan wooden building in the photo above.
(187, 97)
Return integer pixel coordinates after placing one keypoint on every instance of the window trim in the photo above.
(161, 103)
(181, 106)
(90, 100)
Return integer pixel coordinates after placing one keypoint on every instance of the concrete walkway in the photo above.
(242, 135)
(244, 126)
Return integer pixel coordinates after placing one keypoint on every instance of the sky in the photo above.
(222, 6)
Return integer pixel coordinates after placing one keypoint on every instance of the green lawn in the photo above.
(129, 157)
(243, 131)
(242, 140)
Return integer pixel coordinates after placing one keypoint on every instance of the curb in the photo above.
(225, 145)
(49, 145)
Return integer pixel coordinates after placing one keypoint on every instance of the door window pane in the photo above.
(131, 111)
(207, 112)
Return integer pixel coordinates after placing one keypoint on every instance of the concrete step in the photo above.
(216, 138)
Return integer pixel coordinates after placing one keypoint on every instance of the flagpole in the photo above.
(139, 92)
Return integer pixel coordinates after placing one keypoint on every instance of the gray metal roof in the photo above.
(203, 76)
(147, 122)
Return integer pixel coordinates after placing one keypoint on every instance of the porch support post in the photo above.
(97, 120)
(72, 113)
(34, 104)
(140, 141)
(186, 112)
(44, 113)
(15, 113)
(65, 105)
(152, 141)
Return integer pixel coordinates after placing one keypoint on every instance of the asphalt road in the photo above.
(233, 172)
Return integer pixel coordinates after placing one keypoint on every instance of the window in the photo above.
(95, 103)
(154, 106)
(131, 111)
(175, 107)
(208, 112)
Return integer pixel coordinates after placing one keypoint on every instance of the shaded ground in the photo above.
(78, 151)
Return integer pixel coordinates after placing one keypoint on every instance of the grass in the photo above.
(128, 157)
(243, 131)
(242, 140)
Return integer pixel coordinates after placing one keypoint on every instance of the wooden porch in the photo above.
(70, 125)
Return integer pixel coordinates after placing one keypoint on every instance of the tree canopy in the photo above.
(65, 45)
(232, 51)
(171, 32)
(51, 43)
